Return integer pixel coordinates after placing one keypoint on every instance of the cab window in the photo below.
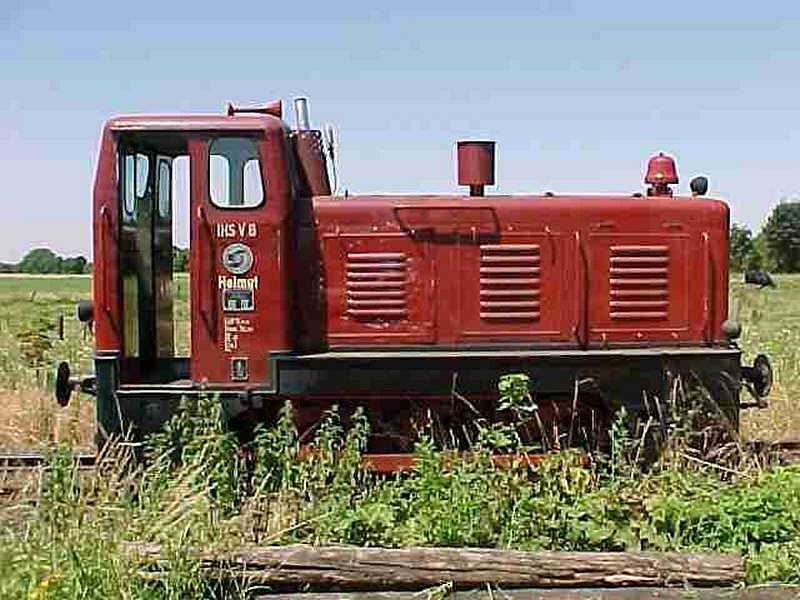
(164, 188)
(136, 173)
(235, 173)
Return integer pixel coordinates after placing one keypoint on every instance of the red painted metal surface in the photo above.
(571, 270)
(265, 229)
(313, 172)
(387, 271)
(274, 108)
(193, 123)
(475, 160)
(105, 222)
(219, 337)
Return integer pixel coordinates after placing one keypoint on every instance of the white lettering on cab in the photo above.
(225, 282)
(237, 230)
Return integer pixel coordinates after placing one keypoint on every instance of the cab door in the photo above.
(237, 263)
(162, 260)
(145, 262)
(136, 261)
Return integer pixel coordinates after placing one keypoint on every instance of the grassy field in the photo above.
(59, 539)
(30, 346)
(771, 325)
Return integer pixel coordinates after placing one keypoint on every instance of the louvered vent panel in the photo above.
(639, 282)
(510, 282)
(376, 285)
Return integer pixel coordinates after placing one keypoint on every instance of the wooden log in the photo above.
(771, 592)
(355, 568)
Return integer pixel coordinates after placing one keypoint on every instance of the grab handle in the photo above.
(708, 288)
(207, 298)
(447, 219)
(581, 328)
(105, 259)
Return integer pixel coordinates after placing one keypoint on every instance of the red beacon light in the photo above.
(661, 173)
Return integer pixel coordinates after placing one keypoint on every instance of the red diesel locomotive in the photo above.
(403, 304)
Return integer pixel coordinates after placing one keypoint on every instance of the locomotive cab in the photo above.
(403, 304)
(239, 198)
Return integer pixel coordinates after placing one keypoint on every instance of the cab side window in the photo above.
(164, 188)
(136, 173)
(234, 172)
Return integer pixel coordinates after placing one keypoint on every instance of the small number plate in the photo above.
(239, 370)
(238, 301)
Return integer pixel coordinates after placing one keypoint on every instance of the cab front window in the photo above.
(235, 173)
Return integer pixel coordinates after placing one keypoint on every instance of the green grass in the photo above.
(29, 346)
(198, 490)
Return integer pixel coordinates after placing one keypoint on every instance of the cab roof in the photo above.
(210, 123)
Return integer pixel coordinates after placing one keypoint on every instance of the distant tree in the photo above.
(782, 236)
(40, 260)
(742, 247)
(180, 259)
(44, 260)
(74, 265)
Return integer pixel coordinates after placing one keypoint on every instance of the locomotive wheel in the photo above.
(702, 415)
(584, 423)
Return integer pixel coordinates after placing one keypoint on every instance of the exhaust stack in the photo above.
(475, 165)
(309, 152)
(301, 113)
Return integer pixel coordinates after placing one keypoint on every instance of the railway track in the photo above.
(18, 468)
(786, 452)
(29, 460)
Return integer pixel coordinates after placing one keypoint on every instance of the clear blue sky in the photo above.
(577, 94)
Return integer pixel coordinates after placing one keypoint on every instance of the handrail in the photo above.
(105, 227)
(400, 207)
(708, 288)
(205, 255)
(552, 242)
(456, 208)
(581, 328)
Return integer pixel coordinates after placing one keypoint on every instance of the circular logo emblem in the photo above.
(237, 258)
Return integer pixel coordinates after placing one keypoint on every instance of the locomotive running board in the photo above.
(438, 371)
(476, 371)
